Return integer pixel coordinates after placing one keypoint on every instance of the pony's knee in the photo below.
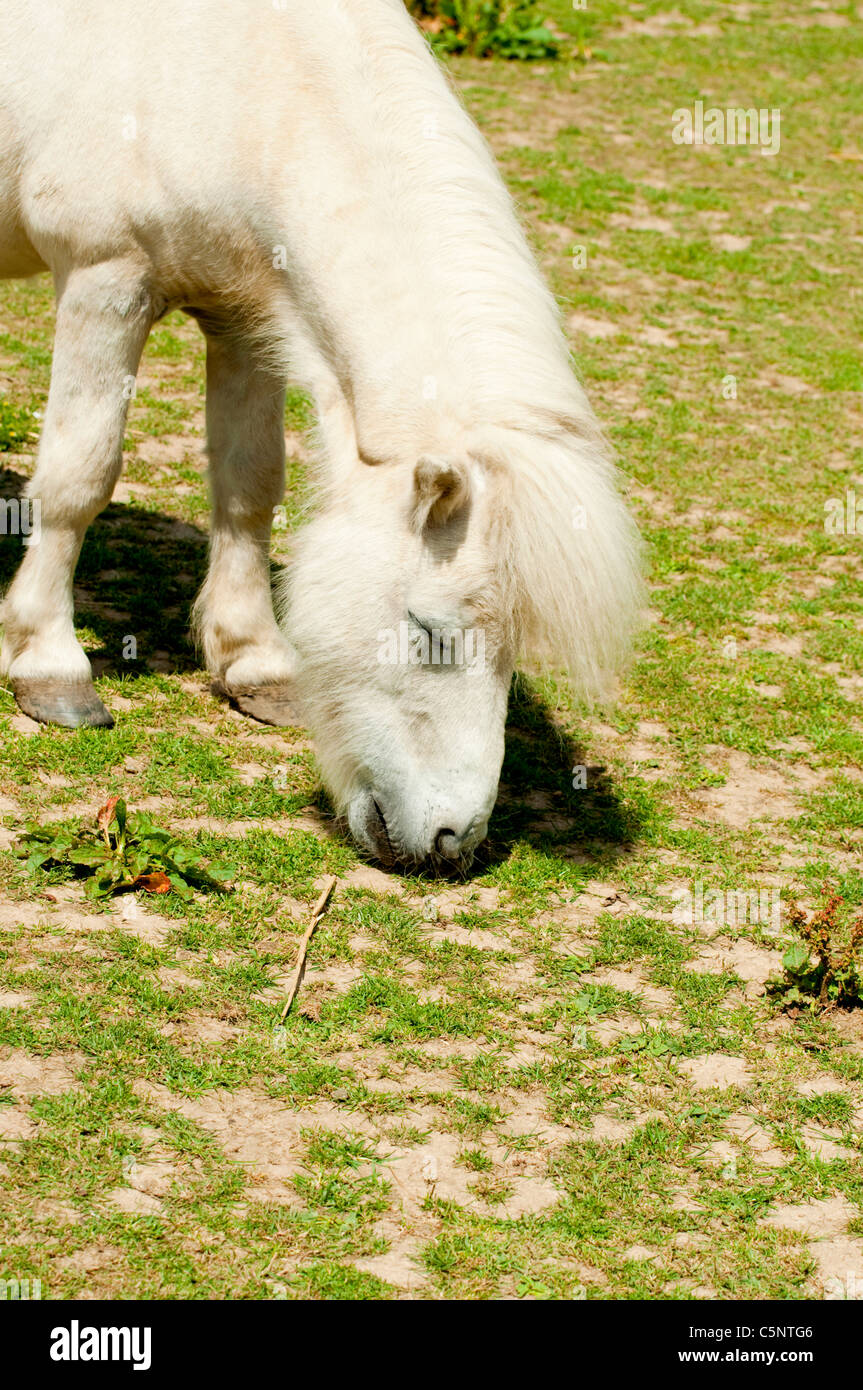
(77, 470)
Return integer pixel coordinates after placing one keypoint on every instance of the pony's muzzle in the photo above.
(443, 840)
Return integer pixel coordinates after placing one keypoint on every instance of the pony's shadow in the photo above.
(136, 579)
(551, 796)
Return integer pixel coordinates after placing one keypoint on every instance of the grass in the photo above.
(504, 1087)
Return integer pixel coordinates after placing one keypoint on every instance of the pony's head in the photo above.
(413, 592)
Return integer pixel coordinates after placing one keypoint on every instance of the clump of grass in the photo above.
(15, 426)
(121, 854)
(486, 27)
(825, 967)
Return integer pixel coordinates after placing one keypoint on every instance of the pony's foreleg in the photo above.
(250, 660)
(103, 318)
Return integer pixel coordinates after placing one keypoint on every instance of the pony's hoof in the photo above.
(72, 704)
(269, 704)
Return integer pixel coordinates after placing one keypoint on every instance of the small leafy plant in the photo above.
(122, 854)
(825, 967)
(505, 28)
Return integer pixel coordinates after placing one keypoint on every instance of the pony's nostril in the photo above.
(448, 844)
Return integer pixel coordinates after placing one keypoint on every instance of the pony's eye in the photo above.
(425, 627)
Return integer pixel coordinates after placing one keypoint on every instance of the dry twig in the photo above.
(300, 968)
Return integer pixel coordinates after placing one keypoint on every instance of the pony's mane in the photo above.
(569, 555)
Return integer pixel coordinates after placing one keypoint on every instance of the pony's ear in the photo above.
(441, 489)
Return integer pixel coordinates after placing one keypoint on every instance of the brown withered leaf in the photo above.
(153, 883)
(106, 813)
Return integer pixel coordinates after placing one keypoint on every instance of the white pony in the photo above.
(303, 181)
